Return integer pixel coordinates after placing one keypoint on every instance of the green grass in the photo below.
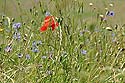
(59, 59)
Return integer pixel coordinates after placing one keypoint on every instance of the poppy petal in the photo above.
(57, 24)
(47, 17)
(53, 27)
(43, 28)
(49, 21)
(47, 24)
(54, 24)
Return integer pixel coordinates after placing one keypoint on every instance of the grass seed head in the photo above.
(90, 4)
(111, 5)
(109, 28)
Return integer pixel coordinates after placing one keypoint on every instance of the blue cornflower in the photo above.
(39, 42)
(47, 14)
(44, 57)
(110, 13)
(84, 52)
(17, 35)
(16, 25)
(113, 34)
(34, 44)
(49, 72)
(27, 56)
(8, 48)
(35, 50)
(81, 33)
(20, 55)
(113, 37)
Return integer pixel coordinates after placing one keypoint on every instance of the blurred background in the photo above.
(15, 8)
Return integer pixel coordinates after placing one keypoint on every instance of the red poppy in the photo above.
(49, 21)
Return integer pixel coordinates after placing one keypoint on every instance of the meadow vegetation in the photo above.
(88, 46)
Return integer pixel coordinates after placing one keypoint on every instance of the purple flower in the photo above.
(20, 55)
(8, 48)
(16, 25)
(81, 33)
(84, 52)
(17, 35)
(34, 44)
(113, 34)
(47, 14)
(49, 72)
(44, 57)
(35, 50)
(113, 37)
(27, 56)
(39, 42)
(110, 13)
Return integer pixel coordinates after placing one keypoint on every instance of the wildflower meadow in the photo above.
(62, 41)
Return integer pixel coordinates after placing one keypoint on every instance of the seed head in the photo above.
(90, 4)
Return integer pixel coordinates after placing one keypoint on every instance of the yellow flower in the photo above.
(1, 29)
